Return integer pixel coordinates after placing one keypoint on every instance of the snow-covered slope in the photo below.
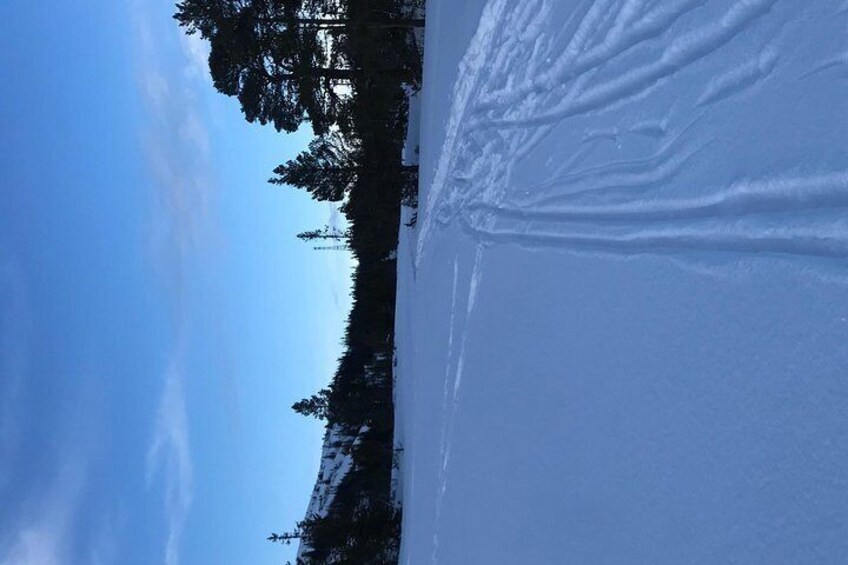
(336, 462)
(623, 314)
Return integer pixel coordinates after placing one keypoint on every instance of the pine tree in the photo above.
(317, 405)
(286, 537)
(327, 170)
(325, 233)
(330, 168)
(274, 63)
(274, 55)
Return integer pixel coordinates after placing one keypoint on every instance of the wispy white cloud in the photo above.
(196, 51)
(154, 88)
(49, 516)
(104, 549)
(194, 132)
(175, 137)
(169, 455)
(42, 536)
(172, 74)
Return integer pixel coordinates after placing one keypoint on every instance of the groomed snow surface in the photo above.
(623, 313)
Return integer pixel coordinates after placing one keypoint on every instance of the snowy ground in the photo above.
(623, 313)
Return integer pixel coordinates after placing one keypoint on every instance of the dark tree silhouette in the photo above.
(203, 15)
(317, 405)
(264, 54)
(330, 168)
(327, 170)
(274, 54)
(285, 538)
(342, 65)
(324, 234)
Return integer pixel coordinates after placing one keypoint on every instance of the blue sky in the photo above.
(157, 315)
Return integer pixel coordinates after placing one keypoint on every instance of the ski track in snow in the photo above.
(518, 81)
(838, 62)
(470, 69)
(453, 375)
(503, 107)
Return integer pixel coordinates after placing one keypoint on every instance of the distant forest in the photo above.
(343, 67)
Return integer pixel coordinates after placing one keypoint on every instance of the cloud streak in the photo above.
(169, 455)
(196, 52)
(48, 517)
(42, 536)
(171, 71)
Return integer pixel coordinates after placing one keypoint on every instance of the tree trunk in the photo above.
(329, 23)
(338, 74)
(320, 72)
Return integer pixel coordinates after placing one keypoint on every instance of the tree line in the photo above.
(340, 66)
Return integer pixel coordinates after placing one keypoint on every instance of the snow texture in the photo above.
(622, 322)
(410, 154)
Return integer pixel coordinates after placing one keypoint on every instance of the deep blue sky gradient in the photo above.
(157, 316)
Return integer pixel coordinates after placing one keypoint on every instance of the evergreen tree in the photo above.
(263, 53)
(317, 405)
(339, 64)
(324, 233)
(274, 55)
(327, 170)
(331, 167)
(286, 537)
